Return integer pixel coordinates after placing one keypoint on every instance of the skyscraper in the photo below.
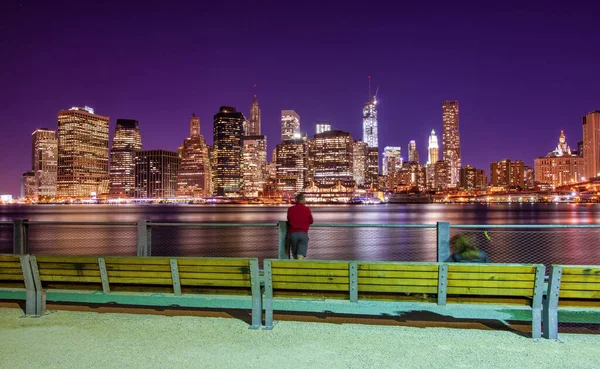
(392, 162)
(254, 129)
(451, 140)
(82, 153)
(228, 147)
(359, 158)
(254, 165)
(433, 149)
(290, 125)
(413, 154)
(370, 120)
(127, 141)
(333, 158)
(44, 156)
(322, 126)
(291, 165)
(193, 176)
(472, 178)
(591, 144)
(507, 173)
(560, 166)
(156, 174)
(372, 171)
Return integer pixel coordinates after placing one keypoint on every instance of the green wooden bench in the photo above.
(156, 281)
(475, 291)
(573, 297)
(16, 281)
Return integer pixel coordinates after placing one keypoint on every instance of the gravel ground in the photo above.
(67, 339)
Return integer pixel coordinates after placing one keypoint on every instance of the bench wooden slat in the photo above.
(214, 262)
(215, 269)
(224, 276)
(388, 274)
(591, 271)
(579, 294)
(491, 276)
(76, 266)
(136, 260)
(83, 273)
(146, 281)
(310, 279)
(331, 265)
(396, 289)
(312, 286)
(66, 259)
(525, 292)
(11, 277)
(490, 284)
(68, 278)
(484, 268)
(137, 267)
(11, 271)
(398, 267)
(580, 286)
(137, 274)
(10, 258)
(10, 264)
(396, 281)
(215, 283)
(312, 272)
(580, 278)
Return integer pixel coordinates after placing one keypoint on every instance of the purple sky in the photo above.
(521, 72)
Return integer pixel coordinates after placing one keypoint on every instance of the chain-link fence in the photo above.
(542, 244)
(6, 238)
(114, 239)
(218, 240)
(375, 243)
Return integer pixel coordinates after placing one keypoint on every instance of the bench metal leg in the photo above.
(550, 315)
(256, 295)
(268, 296)
(536, 306)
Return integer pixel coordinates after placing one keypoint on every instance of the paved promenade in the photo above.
(75, 339)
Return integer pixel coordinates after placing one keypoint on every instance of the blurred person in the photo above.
(299, 219)
(464, 251)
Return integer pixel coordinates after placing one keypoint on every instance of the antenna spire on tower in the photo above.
(370, 88)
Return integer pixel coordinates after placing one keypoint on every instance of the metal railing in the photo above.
(517, 243)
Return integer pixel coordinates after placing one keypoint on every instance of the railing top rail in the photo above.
(342, 225)
(5, 222)
(523, 226)
(130, 224)
(213, 224)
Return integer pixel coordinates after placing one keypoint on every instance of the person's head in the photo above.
(300, 199)
(464, 246)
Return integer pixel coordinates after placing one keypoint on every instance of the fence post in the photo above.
(283, 252)
(143, 239)
(443, 241)
(19, 237)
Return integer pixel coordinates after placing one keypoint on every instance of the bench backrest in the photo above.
(156, 274)
(11, 271)
(313, 275)
(579, 284)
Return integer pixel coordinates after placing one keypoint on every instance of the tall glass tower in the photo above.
(127, 141)
(451, 140)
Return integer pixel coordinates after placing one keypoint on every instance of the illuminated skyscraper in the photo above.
(333, 158)
(507, 173)
(194, 177)
(413, 154)
(254, 165)
(322, 126)
(291, 166)
(559, 167)
(82, 153)
(156, 174)
(372, 172)
(433, 149)
(359, 159)
(44, 147)
(28, 186)
(127, 141)
(442, 175)
(370, 136)
(451, 140)
(472, 178)
(254, 128)
(591, 144)
(290, 125)
(392, 162)
(228, 148)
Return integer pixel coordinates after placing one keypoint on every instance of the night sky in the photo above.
(520, 72)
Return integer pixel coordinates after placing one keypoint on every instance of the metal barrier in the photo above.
(547, 244)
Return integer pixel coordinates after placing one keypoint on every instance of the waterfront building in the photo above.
(228, 148)
(82, 154)
(156, 174)
(194, 174)
(254, 165)
(392, 162)
(413, 154)
(359, 162)
(472, 178)
(560, 166)
(290, 125)
(291, 166)
(433, 157)
(508, 174)
(372, 171)
(311, 150)
(322, 126)
(451, 140)
(333, 160)
(28, 186)
(442, 175)
(255, 118)
(127, 142)
(44, 157)
(529, 174)
(591, 144)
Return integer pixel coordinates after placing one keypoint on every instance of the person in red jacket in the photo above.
(299, 219)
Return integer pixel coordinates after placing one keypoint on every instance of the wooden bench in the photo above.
(16, 281)
(573, 297)
(475, 291)
(156, 281)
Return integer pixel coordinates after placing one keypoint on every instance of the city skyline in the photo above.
(513, 73)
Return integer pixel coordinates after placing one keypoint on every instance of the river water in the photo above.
(531, 245)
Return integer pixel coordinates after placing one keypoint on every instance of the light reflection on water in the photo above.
(560, 246)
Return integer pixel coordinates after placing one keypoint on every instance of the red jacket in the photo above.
(300, 218)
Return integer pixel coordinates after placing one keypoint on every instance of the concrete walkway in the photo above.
(69, 339)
